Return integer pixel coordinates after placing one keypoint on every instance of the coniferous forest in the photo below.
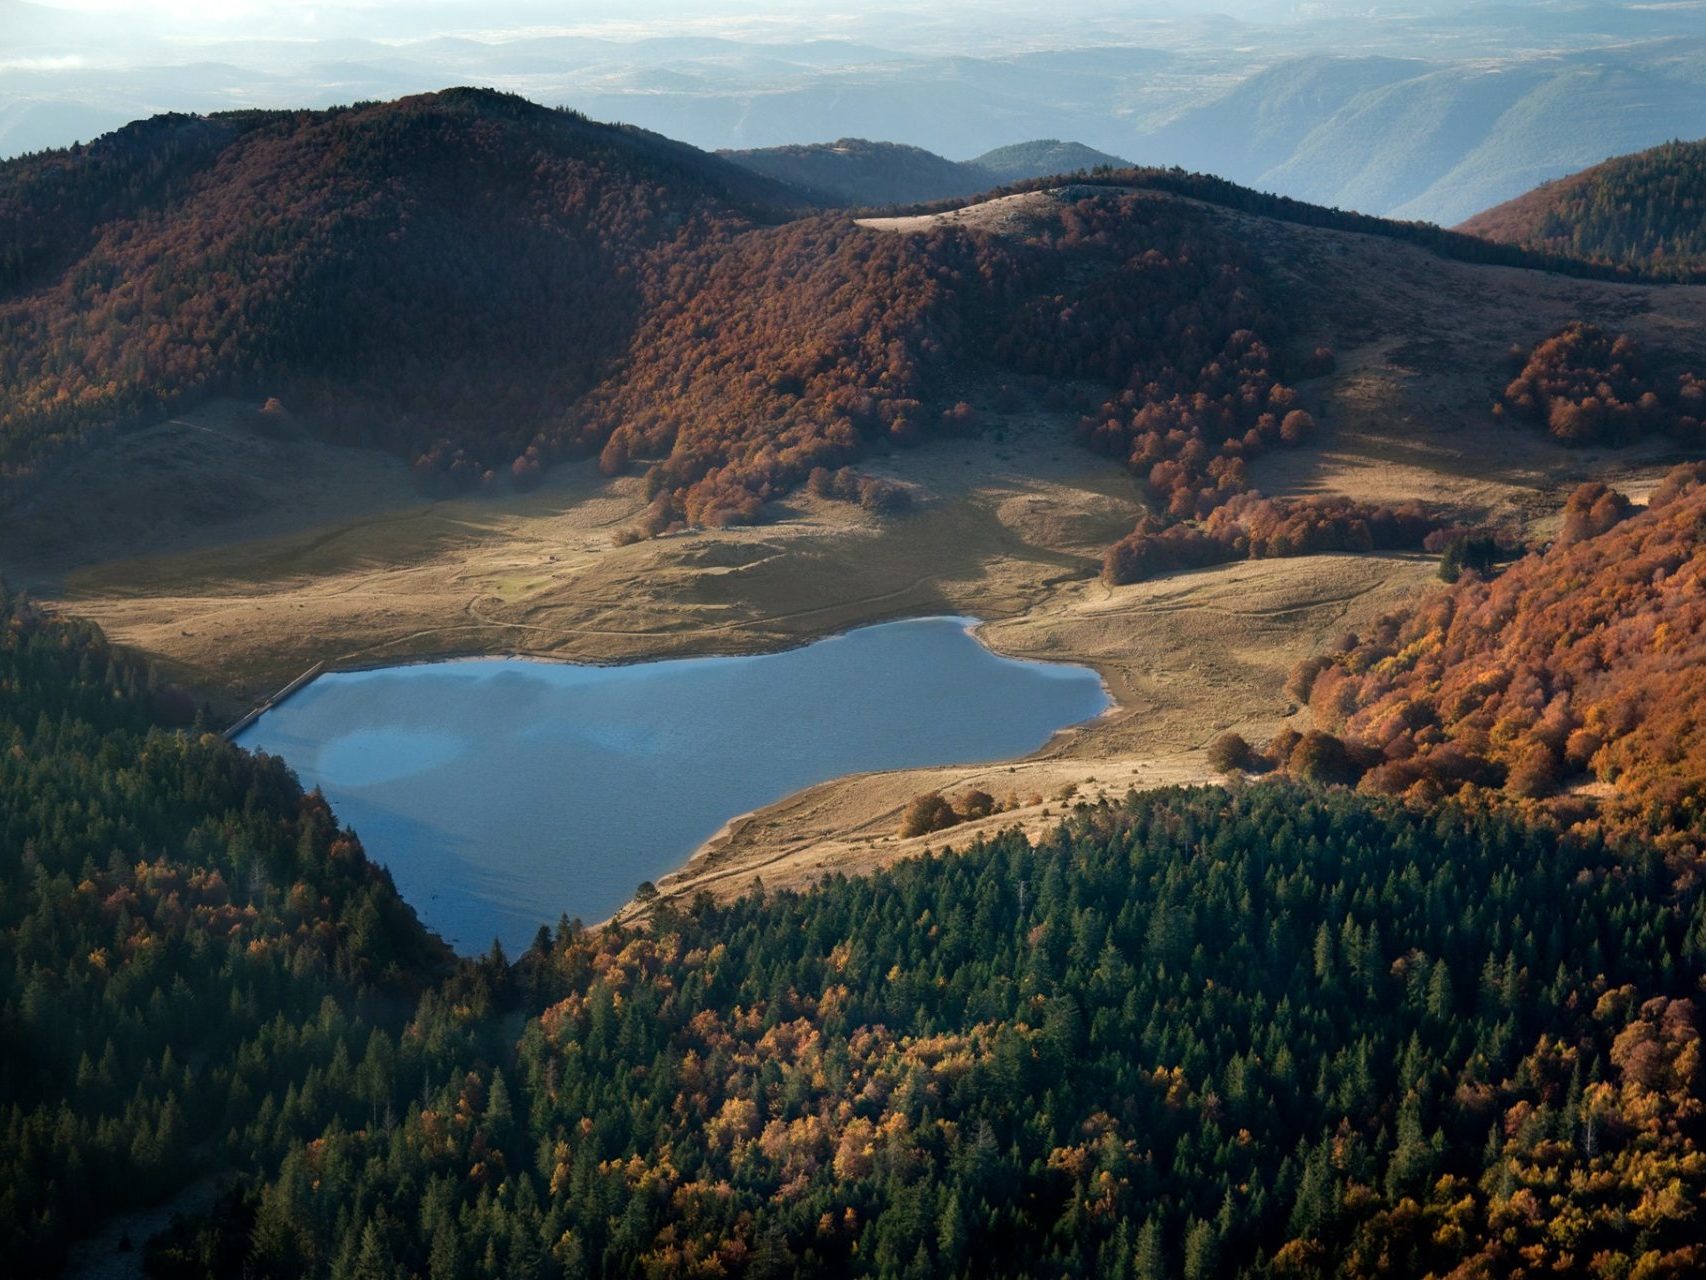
(1639, 212)
(1274, 1030)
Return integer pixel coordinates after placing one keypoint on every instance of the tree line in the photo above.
(490, 288)
(1274, 1030)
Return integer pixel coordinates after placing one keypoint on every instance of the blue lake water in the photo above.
(505, 792)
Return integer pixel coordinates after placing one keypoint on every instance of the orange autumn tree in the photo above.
(1582, 663)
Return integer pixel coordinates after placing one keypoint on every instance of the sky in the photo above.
(223, 19)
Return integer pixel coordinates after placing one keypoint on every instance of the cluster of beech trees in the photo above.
(1585, 386)
(1250, 526)
(1578, 664)
(934, 811)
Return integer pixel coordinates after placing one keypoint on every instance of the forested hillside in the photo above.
(1197, 1035)
(186, 942)
(1646, 211)
(489, 287)
(421, 274)
(492, 287)
(859, 334)
(1576, 665)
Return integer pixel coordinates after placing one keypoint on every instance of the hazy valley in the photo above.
(1430, 111)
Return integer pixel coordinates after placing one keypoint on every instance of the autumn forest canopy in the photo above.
(489, 287)
(1415, 989)
(1275, 1032)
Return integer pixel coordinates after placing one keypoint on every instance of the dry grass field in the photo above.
(236, 556)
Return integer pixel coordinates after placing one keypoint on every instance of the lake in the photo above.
(505, 792)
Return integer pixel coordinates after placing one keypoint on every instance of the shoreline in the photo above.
(974, 629)
(693, 860)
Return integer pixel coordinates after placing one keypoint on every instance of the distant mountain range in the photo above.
(1392, 136)
(854, 171)
(1420, 140)
(1419, 111)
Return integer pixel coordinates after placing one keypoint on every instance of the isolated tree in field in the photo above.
(883, 497)
(974, 804)
(1476, 551)
(1229, 752)
(1321, 757)
(927, 813)
(1320, 362)
(1297, 426)
(524, 471)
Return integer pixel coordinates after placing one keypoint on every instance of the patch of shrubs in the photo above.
(1248, 526)
(881, 497)
(933, 811)
(1586, 387)
(1230, 753)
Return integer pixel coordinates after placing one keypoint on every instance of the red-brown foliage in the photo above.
(491, 287)
(1590, 510)
(1583, 660)
(933, 811)
(781, 351)
(1587, 387)
(1249, 526)
(436, 274)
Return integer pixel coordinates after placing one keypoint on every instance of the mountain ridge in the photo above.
(1412, 139)
(488, 287)
(1645, 211)
(862, 173)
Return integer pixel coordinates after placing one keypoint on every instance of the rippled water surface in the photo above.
(506, 792)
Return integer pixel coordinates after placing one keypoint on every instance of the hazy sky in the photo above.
(132, 32)
(225, 19)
